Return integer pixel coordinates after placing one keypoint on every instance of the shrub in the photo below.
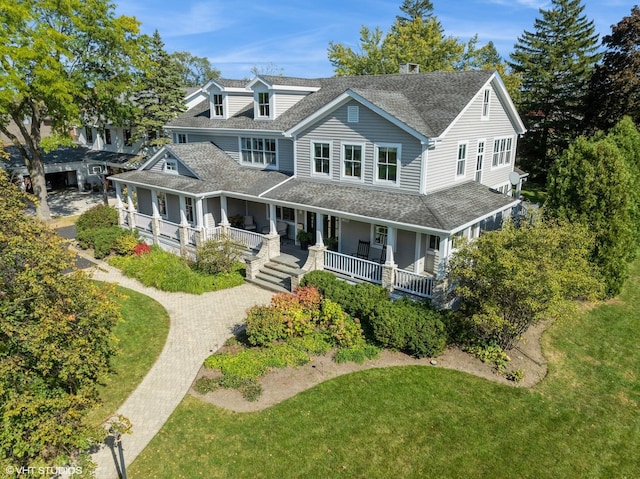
(206, 385)
(264, 325)
(313, 344)
(490, 353)
(516, 375)
(105, 240)
(141, 248)
(356, 354)
(217, 256)
(100, 216)
(344, 330)
(126, 244)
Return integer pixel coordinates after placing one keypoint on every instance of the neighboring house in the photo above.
(395, 167)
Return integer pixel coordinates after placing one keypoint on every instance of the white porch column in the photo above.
(224, 219)
(199, 213)
(272, 220)
(183, 211)
(418, 264)
(320, 225)
(154, 204)
(442, 255)
(391, 237)
(118, 195)
(131, 208)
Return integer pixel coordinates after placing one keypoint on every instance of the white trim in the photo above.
(265, 165)
(486, 104)
(312, 158)
(223, 105)
(173, 170)
(484, 159)
(227, 131)
(376, 149)
(508, 139)
(484, 217)
(362, 161)
(461, 176)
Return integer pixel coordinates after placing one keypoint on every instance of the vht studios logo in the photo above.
(42, 470)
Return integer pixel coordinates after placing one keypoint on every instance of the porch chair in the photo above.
(249, 225)
(363, 249)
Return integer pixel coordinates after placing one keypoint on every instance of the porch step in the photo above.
(268, 285)
(276, 275)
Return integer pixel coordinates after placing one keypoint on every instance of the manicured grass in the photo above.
(141, 337)
(413, 422)
(534, 192)
(168, 272)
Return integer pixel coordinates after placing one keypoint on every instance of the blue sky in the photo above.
(293, 35)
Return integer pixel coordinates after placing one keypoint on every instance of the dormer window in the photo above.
(218, 109)
(263, 104)
(170, 166)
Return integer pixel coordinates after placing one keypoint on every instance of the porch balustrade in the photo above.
(353, 267)
(170, 230)
(143, 222)
(413, 283)
(248, 239)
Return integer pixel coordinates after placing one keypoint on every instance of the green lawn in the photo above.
(141, 337)
(582, 421)
(534, 192)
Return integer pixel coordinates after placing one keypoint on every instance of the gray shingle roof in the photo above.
(217, 170)
(428, 102)
(443, 210)
(75, 154)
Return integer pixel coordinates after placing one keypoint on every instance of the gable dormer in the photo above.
(274, 95)
(226, 98)
(168, 163)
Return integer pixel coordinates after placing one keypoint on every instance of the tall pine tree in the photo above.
(555, 62)
(615, 85)
(160, 95)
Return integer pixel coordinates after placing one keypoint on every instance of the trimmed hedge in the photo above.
(98, 228)
(405, 325)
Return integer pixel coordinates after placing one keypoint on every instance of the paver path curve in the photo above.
(200, 324)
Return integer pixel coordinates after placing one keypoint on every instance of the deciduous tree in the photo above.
(61, 61)
(591, 184)
(615, 85)
(55, 342)
(509, 279)
(195, 71)
(555, 62)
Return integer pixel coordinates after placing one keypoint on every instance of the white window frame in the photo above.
(343, 160)
(281, 216)
(88, 135)
(353, 114)
(480, 157)
(435, 239)
(261, 106)
(181, 136)
(108, 140)
(217, 108)
(463, 146)
(486, 103)
(379, 232)
(376, 155)
(312, 152)
(502, 151)
(170, 166)
(189, 210)
(256, 152)
(161, 197)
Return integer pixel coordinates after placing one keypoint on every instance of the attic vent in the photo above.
(353, 114)
(409, 68)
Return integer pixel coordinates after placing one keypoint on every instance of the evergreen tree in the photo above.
(555, 61)
(615, 85)
(590, 183)
(160, 95)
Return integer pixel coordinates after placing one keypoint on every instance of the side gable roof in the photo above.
(426, 102)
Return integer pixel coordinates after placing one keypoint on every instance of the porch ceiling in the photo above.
(444, 210)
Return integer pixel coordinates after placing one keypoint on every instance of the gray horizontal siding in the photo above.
(441, 163)
(158, 167)
(371, 130)
(283, 101)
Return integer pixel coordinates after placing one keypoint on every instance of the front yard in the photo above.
(580, 421)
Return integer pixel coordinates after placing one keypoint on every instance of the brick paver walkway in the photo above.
(199, 326)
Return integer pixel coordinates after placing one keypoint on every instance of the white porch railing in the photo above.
(169, 230)
(248, 239)
(353, 267)
(413, 283)
(143, 222)
(191, 235)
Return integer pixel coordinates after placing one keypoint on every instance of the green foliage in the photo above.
(63, 61)
(125, 244)
(206, 385)
(591, 184)
(217, 256)
(490, 353)
(100, 216)
(264, 325)
(357, 354)
(509, 279)
(315, 344)
(615, 88)
(516, 375)
(168, 272)
(159, 97)
(55, 341)
(404, 325)
(194, 71)
(555, 61)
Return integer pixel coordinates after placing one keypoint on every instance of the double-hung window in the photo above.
(263, 104)
(321, 158)
(181, 137)
(479, 160)
(171, 166)
(380, 235)
(502, 151)
(388, 162)
(188, 209)
(485, 104)
(461, 164)
(352, 161)
(218, 109)
(88, 133)
(162, 203)
(259, 151)
(107, 136)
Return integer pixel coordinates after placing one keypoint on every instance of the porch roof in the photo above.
(219, 173)
(445, 210)
(76, 154)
